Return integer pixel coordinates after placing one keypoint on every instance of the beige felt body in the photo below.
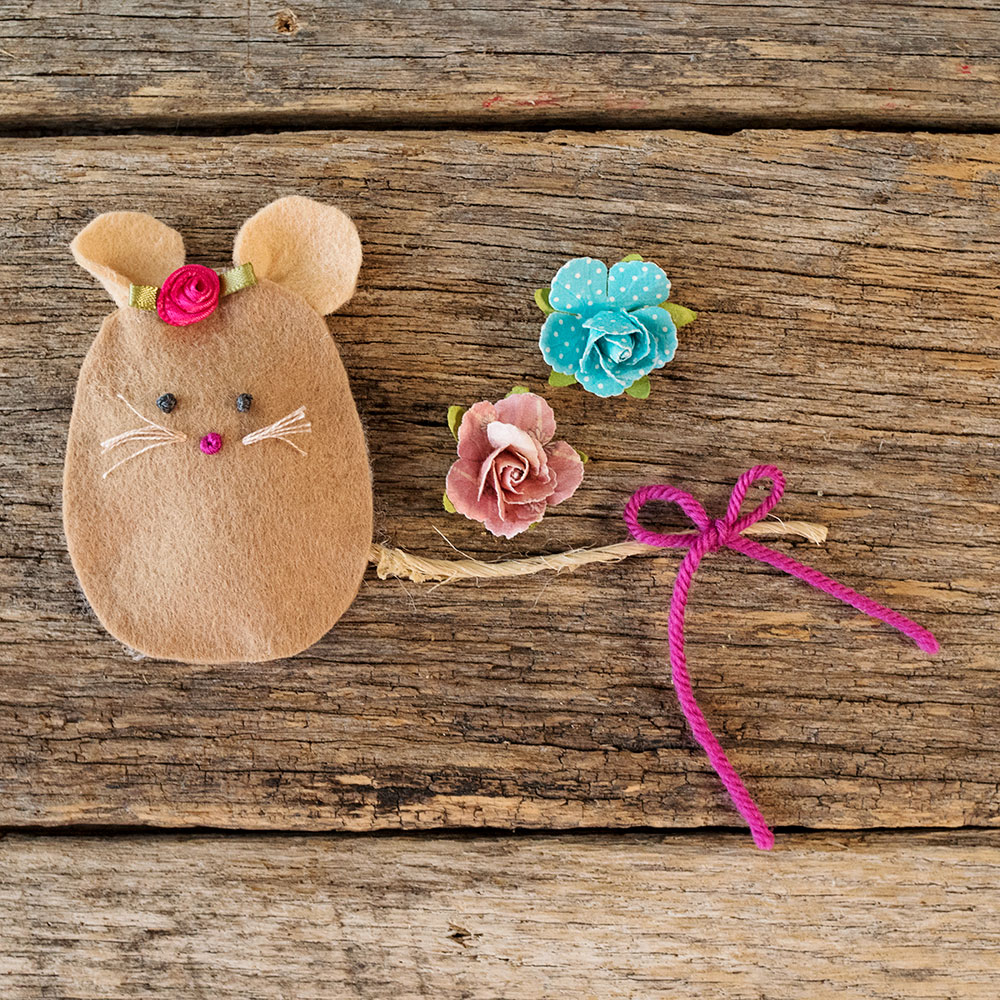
(249, 554)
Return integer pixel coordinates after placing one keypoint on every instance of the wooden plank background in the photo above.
(212, 64)
(261, 918)
(847, 286)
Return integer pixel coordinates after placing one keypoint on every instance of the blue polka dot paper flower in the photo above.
(606, 329)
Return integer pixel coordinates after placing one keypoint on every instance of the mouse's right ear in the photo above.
(128, 248)
(312, 249)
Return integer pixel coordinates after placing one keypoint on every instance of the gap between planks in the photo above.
(211, 127)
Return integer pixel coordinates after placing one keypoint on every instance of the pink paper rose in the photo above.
(188, 295)
(509, 470)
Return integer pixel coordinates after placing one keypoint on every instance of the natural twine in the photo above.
(390, 562)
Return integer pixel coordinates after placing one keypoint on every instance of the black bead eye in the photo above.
(167, 402)
(243, 402)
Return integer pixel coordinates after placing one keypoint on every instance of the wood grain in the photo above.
(878, 917)
(211, 65)
(847, 285)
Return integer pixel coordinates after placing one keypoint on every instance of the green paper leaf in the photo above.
(518, 389)
(542, 300)
(639, 389)
(448, 505)
(583, 457)
(631, 257)
(681, 314)
(455, 414)
(558, 379)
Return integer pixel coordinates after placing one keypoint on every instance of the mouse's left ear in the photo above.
(122, 249)
(307, 247)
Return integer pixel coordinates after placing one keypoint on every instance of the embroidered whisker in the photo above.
(137, 434)
(292, 418)
(291, 444)
(152, 423)
(128, 458)
(269, 432)
(296, 419)
(292, 423)
(153, 432)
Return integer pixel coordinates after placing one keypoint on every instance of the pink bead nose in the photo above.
(211, 443)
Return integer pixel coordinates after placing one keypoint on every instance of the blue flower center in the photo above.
(618, 347)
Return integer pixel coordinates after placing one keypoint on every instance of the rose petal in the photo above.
(567, 466)
(494, 481)
(596, 375)
(462, 487)
(519, 518)
(511, 470)
(472, 440)
(562, 340)
(529, 490)
(637, 283)
(580, 286)
(503, 435)
(530, 412)
(662, 329)
(502, 455)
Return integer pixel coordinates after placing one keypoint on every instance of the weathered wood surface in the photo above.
(877, 917)
(644, 63)
(847, 285)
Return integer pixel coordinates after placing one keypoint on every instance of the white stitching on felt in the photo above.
(292, 423)
(154, 432)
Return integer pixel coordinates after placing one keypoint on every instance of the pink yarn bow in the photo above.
(727, 533)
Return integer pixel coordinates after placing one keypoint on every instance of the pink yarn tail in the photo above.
(741, 798)
(924, 639)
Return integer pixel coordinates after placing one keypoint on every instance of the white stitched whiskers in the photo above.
(156, 434)
(292, 423)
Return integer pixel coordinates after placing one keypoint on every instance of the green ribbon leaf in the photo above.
(542, 300)
(455, 414)
(448, 505)
(583, 456)
(558, 379)
(631, 257)
(237, 278)
(681, 314)
(517, 390)
(639, 389)
(143, 296)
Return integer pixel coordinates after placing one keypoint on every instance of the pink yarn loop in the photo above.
(727, 533)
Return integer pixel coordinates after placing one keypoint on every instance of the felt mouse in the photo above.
(217, 497)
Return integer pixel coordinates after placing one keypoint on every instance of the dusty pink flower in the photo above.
(509, 470)
(188, 295)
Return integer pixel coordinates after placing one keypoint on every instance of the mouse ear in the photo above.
(128, 248)
(309, 248)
